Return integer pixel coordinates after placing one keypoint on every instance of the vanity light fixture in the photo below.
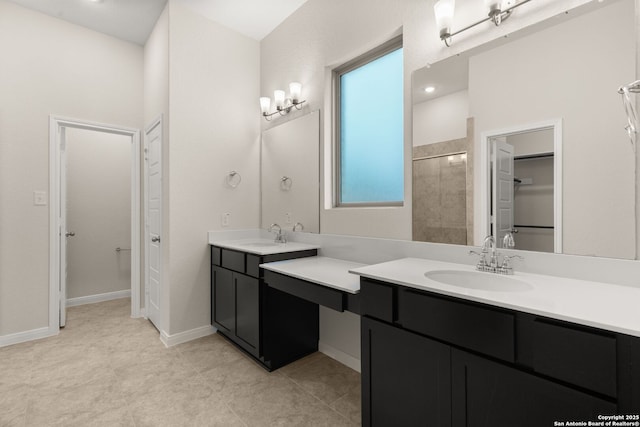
(283, 104)
(498, 11)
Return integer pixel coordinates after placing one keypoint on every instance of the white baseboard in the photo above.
(182, 337)
(92, 299)
(34, 334)
(340, 356)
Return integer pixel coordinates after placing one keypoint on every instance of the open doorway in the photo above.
(94, 215)
(522, 193)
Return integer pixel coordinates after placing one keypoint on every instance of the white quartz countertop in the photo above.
(601, 305)
(262, 246)
(330, 272)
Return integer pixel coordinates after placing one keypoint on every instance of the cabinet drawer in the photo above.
(575, 355)
(377, 300)
(253, 265)
(311, 292)
(215, 255)
(233, 260)
(488, 331)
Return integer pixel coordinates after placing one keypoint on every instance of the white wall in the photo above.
(213, 129)
(98, 211)
(441, 119)
(583, 93)
(48, 67)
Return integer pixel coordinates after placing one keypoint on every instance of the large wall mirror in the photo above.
(526, 135)
(290, 174)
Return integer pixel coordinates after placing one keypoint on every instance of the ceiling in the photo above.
(133, 20)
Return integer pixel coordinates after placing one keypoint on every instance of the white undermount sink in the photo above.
(478, 280)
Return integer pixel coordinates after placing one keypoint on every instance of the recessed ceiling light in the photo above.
(429, 89)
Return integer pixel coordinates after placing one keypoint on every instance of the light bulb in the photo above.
(295, 89)
(278, 97)
(443, 10)
(265, 104)
(494, 6)
(495, 11)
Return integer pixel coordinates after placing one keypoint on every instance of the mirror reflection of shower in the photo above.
(522, 188)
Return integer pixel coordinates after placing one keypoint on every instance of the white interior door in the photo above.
(502, 180)
(153, 221)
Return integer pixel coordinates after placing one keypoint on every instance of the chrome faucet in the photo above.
(280, 237)
(295, 226)
(490, 244)
(508, 242)
(493, 265)
(506, 267)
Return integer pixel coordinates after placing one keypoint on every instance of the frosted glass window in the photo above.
(371, 132)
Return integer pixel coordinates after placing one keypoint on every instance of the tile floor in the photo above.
(106, 369)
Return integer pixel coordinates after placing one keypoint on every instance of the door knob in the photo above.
(69, 234)
(155, 239)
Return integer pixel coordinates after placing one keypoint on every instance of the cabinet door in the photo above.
(486, 393)
(224, 299)
(405, 378)
(247, 309)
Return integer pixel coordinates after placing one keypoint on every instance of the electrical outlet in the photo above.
(40, 198)
(226, 217)
(287, 216)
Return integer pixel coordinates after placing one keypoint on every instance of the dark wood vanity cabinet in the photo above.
(405, 377)
(259, 320)
(432, 360)
(236, 307)
(486, 393)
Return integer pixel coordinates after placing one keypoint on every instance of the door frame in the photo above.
(57, 124)
(485, 175)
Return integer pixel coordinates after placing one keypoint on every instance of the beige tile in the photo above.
(350, 405)
(13, 404)
(277, 401)
(326, 379)
(235, 377)
(94, 403)
(183, 402)
(301, 363)
(155, 372)
(106, 369)
(209, 352)
(16, 363)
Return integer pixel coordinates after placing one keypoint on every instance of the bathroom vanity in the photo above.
(271, 326)
(465, 356)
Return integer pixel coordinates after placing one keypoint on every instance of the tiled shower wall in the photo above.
(443, 191)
